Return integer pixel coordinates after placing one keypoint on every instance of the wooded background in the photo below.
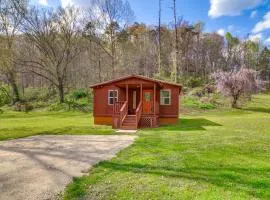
(69, 48)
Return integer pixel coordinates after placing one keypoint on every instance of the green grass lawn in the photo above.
(16, 124)
(212, 155)
(221, 154)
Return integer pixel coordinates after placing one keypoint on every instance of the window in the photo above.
(112, 94)
(165, 97)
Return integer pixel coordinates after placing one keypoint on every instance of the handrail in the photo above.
(138, 113)
(123, 107)
(117, 106)
(123, 112)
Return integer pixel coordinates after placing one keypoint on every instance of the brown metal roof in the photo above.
(135, 76)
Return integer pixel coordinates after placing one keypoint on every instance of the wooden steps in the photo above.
(129, 123)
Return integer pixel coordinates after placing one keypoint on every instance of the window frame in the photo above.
(113, 97)
(162, 103)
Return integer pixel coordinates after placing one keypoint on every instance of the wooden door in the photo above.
(148, 101)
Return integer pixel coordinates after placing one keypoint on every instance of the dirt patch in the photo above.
(40, 167)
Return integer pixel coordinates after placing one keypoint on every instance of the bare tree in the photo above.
(55, 38)
(237, 84)
(11, 17)
(233, 50)
(110, 18)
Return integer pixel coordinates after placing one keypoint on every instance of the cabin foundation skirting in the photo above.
(103, 121)
(108, 121)
(168, 120)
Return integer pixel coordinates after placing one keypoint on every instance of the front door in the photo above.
(147, 101)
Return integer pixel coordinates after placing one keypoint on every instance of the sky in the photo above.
(247, 19)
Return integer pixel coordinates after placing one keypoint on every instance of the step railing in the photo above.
(123, 113)
(138, 114)
(117, 107)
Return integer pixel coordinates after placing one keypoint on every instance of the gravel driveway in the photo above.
(40, 167)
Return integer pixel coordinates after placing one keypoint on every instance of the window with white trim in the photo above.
(165, 97)
(112, 96)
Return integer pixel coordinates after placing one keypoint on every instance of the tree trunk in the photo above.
(113, 50)
(16, 97)
(176, 42)
(61, 93)
(99, 70)
(159, 39)
(234, 102)
(113, 61)
(14, 86)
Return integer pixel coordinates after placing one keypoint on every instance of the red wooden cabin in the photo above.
(136, 101)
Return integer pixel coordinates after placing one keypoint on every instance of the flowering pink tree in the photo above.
(237, 84)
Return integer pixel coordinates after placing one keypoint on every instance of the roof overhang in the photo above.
(160, 82)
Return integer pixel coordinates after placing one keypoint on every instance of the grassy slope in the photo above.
(15, 125)
(214, 155)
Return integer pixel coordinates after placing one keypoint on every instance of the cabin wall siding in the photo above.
(173, 109)
(101, 106)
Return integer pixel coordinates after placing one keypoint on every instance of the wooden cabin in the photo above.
(135, 101)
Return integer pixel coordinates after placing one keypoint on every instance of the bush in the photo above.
(77, 105)
(79, 100)
(78, 94)
(197, 92)
(70, 105)
(58, 107)
(4, 95)
(204, 103)
(38, 94)
(206, 106)
(193, 82)
(22, 107)
(40, 104)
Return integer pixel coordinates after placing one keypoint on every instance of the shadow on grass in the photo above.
(185, 124)
(23, 115)
(20, 132)
(78, 131)
(258, 109)
(230, 178)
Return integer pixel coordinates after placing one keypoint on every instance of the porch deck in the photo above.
(144, 114)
